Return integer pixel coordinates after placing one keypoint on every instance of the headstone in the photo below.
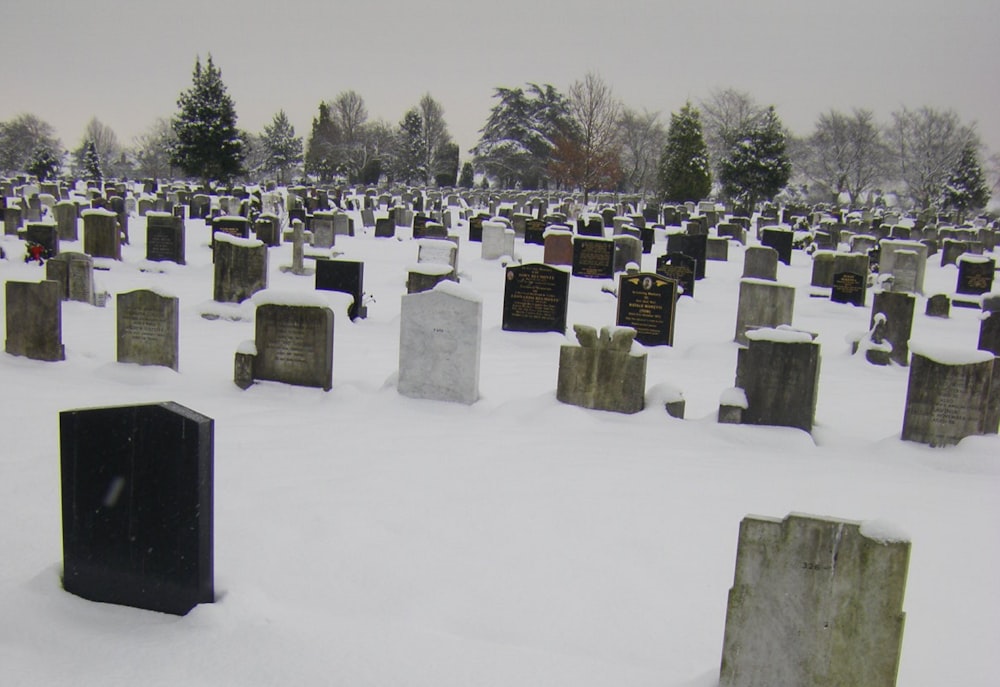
(823, 269)
(34, 320)
(906, 261)
(761, 262)
(815, 601)
(762, 304)
(779, 373)
(681, 268)
(695, 246)
(593, 258)
(989, 334)
(938, 305)
(898, 311)
(11, 220)
(780, 240)
(440, 335)
(535, 299)
(948, 396)
(44, 235)
(267, 229)
(647, 303)
(951, 249)
(66, 220)
(137, 506)
(240, 268)
(101, 235)
(476, 228)
(497, 241)
(75, 274)
(628, 249)
(602, 373)
(147, 328)
(165, 238)
(558, 247)
(441, 252)
(293, 342)
(344, 276)
(975, 274)
(534, 231)
(322, 230)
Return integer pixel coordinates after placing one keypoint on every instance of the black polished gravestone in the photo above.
(693, 245)
(975, 275)
(535, 298)
(647, 302)
(476, 228)
(594, 258)
(534, 231)
(594, 226)
(420, 221)
(679, 267)
(137, 506)
(343, 276)
(849, 287)
(781, 241)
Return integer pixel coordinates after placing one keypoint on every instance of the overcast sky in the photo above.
(126, 61)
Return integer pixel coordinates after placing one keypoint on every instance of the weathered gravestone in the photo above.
(989, 332)
(476, 228)
(906, 261)
(949, 396)
(762, 304)
(628, 250)
(975, 274)
(267, 229)
(11, 220)
(165, 237)
(34, 320)
(75, 274)
(815, 602)
(951, 250)
(898, 311)
(293, 343)
(602, 373)
(822, 269)
(647, 303)
(44, 235)
(717, 249)
(593, 258)
(440, 335)
(66, 220)
(780, 240)
(101, 235)
(779, 374)
(439, 252)
(558, 247)
(497, 240)
(240, 268)
(681, 268)
(344, 276)
(147, 328)
(938, 305)
(535, 299)
(137, 506)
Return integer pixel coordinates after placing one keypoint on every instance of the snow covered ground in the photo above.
(365, 538)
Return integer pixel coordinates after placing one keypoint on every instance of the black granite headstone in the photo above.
(848, 287)
(975, 275)
(679, 267)
(534, 231)
(781, 241)
(476, 228)
(535, 298)
(420, 226)
(343, 276)
(693, 245)
(593, 258)
(137, 506)
(593, 227)
(646, 302)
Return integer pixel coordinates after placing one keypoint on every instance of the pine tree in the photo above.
(446, 165)
(208, 143)
(408, 158)
(90, 162)
(44, 163)
(282, 148)
(684, 167)
(321, 152)
(757, 166)
(966, 188)
(467, 178)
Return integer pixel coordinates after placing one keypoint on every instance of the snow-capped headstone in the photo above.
(439, 252)
(34, 320)
(693, 245)
(780, 240)
(165, 238)
(267, 229)
(906, 261)
(440, 336)
(66, 220)
(137, 506)
(593, 258)
(779, 373)
(240, 268)
(815, 601)
(938, 305)
(558, 246)
(322, 230)
(293, 340)
(497, 240)
(681, 268)
(602, 372)
(898, 310)
(147, 328)
(535, 298)
(762, 303)
(101, 234)
(11, 220)
(949, 395)
(627, 249)
(850, 278)
(345, 276)
(975, 274)
(951, 249)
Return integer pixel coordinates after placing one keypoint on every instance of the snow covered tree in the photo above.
(467, 178)
(757, 165)
(516, 144)
(208, 143)
(726, 114)
(642, 138)
(845, 154)
(21, 138)
(106, 146)
(966, 189)
(44, 163)
(90, 162)
(151, 150)
(446, 165)
(684, 168)
(321, 152)
(434, 138)
(408, 152)
(282, 148)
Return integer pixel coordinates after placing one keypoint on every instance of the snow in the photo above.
(366, 538)
(883, 532)
(314, 299)
(223, 237)
(98, 212)
(949, 356)
(783, 334)
(734, 397)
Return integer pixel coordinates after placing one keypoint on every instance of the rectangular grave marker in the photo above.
(294, 344)
(535, 299)
(593, 258)
(344, 276)
(681, 268)
(647, 303)
(147, 328)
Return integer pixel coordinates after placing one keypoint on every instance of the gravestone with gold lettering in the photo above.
(647, 303)
(535, 299)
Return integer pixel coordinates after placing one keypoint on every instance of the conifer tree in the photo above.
(44, 163)
(282, 148)
(91, 162)
(408, 155)
(467, 178)
(208, 144)
(321, 151)
(966, 188)
(757, 166)
(684, 167)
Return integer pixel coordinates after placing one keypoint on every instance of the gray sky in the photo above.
(126, 61)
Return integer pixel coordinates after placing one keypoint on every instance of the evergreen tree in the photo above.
(282, 148)
(408, 158)
(208, 143)
(44, 163)
(757, 165)
(966, 187)
(446, 165)
(90, 162)
(321, 152)
(467, 178)
(684, 167)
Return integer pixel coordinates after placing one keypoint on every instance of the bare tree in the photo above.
(151, 150)
(350, 116)
(846, 153)
(926, 145)
(588, 155)
(725, 114)
(21, 136)
(642, 138)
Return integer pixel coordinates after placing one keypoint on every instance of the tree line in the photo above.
(537, 137)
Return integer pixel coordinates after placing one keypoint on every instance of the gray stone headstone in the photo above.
(34, 320)
(497, 242)
(906, 261)
(898, 310)
(762, 303)
(165, 238)
(75, 274)
(779, 373)
(815, 602)
(294, 344)
(628, 249)
(601, 372)
(938, 305)
(948, 396)
(440, 335)
(66, 220)
(240, 268)
(322, 230)
(440, 252)
(101, 235)
(760, 262)
(147, 328)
